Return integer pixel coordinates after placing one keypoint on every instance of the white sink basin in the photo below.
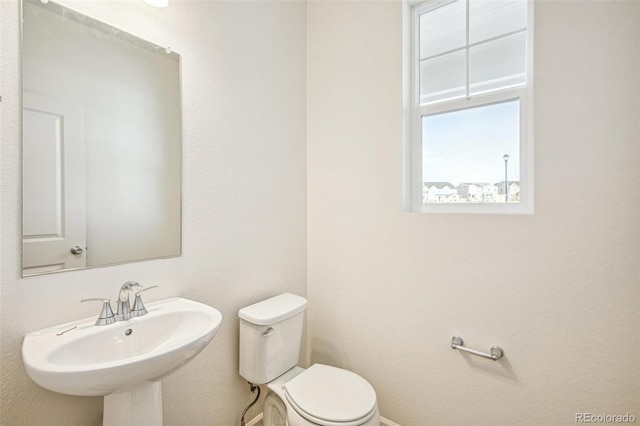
(99, 360)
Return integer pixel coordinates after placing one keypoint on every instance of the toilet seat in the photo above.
(331, 396)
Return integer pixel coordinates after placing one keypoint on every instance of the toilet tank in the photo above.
(270, 337)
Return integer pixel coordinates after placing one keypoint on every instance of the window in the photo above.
(470, 138)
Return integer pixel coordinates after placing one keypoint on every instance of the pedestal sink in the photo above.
(124, 361)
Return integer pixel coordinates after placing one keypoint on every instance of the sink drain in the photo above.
(128, 331)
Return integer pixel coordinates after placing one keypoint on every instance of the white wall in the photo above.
(244, 204)
(557, 290)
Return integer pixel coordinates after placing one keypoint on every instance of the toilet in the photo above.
(270, 338)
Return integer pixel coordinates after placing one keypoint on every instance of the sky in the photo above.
(468, 145)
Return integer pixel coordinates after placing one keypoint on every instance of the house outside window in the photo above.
(470, 144)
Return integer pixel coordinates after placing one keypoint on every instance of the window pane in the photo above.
(498, 64)
(443, 77)
(443, 29)
(463, 155)
(492, 18)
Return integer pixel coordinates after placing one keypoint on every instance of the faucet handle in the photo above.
(106, 315)
(145, 289)
(138, 309)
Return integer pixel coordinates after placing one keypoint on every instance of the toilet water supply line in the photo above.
(253, 388)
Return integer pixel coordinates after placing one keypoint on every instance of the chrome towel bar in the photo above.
(496, 352)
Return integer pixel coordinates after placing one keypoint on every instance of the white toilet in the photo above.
(270, 337)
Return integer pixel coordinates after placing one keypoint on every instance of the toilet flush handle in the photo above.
(268, 332)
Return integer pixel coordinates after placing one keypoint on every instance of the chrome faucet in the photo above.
(106, 315)
(124, 308)
(125, 311)
(138, 309)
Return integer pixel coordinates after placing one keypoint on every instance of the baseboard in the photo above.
(383, 421)
(255, 420)
(387, 422)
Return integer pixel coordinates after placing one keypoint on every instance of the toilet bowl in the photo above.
(320, 395)
(270, 337)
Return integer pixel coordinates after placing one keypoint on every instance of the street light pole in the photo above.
(506, 181)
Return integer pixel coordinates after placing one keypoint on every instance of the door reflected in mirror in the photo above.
(101, 143)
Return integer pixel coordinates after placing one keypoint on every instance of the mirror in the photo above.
(101, 143)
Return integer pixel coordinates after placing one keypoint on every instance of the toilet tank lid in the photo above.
(273, 310)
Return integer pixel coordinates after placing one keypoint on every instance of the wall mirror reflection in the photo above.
(101, 143)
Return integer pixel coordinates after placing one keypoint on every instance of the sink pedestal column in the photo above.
(134, 406)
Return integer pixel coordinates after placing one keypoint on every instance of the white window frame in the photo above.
(414, 112)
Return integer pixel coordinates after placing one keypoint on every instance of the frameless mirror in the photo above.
(101, 143)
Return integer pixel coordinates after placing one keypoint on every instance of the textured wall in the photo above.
(244, 205)
(558, 290)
